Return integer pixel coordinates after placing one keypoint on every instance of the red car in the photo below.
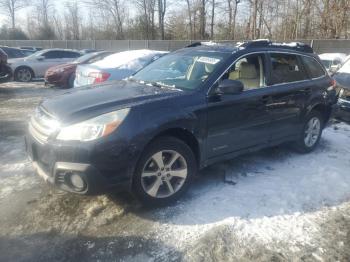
(64, 75)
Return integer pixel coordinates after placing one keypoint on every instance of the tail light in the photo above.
(333, 85)
(99, 77)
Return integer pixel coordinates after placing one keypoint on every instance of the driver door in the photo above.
(240, 121)
(50, 58)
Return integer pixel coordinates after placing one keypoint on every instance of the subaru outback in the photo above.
(199, 105)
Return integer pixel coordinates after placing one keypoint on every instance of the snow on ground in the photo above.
(271, 205)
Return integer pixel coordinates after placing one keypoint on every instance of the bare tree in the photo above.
(162, 5)
(113, 8)
(190, 20)
(232, 16)
(72, 19)
(10, 8)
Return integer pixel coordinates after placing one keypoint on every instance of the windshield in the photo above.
(36, 54)
(85, 58)
(183, 71)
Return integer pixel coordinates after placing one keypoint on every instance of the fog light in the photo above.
(77, 181)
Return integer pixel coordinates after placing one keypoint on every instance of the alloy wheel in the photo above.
(164, 174)
(24, 75)
(312, 131)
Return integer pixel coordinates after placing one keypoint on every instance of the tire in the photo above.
(311, 132)
(71, 81)
(24, 74)
(164, 171)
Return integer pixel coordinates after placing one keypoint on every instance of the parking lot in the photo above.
(272, 205)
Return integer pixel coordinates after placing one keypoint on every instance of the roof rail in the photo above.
(206, 43)
(298, 46)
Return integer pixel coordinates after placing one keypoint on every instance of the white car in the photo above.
(332, 61)
(35, 65)
(115, 67)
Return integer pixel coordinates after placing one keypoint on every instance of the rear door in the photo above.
(241, 121)
(290, 89)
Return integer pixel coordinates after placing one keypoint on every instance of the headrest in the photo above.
(247, 71)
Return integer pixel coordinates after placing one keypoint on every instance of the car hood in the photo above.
(16, 60)
(81, 104)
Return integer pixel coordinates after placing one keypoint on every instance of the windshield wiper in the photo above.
(154, 83)
(164, 85)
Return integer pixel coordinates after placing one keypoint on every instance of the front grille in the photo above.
(42, 125)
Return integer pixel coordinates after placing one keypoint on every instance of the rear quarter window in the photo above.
(314, 69)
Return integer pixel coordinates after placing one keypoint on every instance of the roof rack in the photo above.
(298, 46)
(206, 43)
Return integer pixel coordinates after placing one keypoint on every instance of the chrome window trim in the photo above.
(269, 52)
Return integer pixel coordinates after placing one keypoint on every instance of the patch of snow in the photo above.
(275, 190)
(131, 60)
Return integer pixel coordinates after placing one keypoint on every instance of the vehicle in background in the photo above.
(194, 107)
(35, 65)
(115, 67)
(86, 51)
(332, 61)
(27, 52)
(31, 48)
(64, 75)
(13, 52)
(5, 70)
(342, 77)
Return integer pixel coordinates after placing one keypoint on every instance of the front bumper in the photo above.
(57, 164)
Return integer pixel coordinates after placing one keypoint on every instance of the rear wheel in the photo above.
(311, 133)
(164, 171)
(24, 74)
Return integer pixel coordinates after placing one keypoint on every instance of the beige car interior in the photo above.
(251, 76)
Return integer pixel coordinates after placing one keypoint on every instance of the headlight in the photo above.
(341, 92)
(94, 128)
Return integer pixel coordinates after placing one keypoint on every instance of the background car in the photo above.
(32, 48)
(115, 67)
(342, 77)
(5, 70)
(332, 61)
(13, 52)
(64, 75)
(35, 65)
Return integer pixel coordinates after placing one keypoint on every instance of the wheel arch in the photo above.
(178, 132)
(325, 110)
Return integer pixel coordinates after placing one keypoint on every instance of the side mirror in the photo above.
(230, 87)
(40, 58)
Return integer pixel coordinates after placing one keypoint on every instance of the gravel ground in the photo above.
(273, 205)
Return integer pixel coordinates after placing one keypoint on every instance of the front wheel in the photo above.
(24, 74)
(311, 133)
(164, 171)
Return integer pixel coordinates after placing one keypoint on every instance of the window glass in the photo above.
(183, 70)
(286, 69)
(314, 68)
(67, 54)
(52, 54)
(249, 70)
